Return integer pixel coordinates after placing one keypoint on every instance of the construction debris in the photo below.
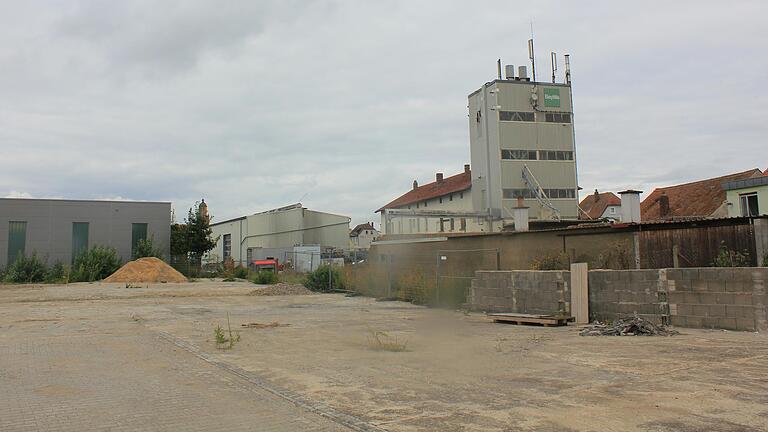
(281, 289)
(520, 318)
(262, 325)
(632, 326)
(148, 269)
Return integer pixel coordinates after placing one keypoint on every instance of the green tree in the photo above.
(146, 248)
(193, 238)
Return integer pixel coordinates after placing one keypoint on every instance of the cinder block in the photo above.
(672, 309)
(674, 274)
(694, 322)
(700, 310)
(711, 323)
(716, 311)
(684, 309)
(726, 323)
(736, 286)
(743, 299)
(725, 298)
(716, 286)
(676, 297)
(707, 298)
(692, 298)
(746, 324)
(683, 285)
(678, 321)
(698, 285)
(689, 273)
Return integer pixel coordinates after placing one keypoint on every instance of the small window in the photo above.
(450, 197)
(461, 195)
(519, 116)
(227, 254)
(519, 154)
(555, 117)
(441, 200)
(613, 210)
(463, 224)
(748, 204)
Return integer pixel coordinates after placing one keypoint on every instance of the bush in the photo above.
(26, 269)
(765, 262)
(551, 261)
(264, 278)
(730, 258)
(56, 274)
(318, 280)
(95, 264)
(240, 272)
(146, 248)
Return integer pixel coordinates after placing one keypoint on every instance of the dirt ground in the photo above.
(458, 372)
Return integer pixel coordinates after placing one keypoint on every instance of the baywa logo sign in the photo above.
(551, 97)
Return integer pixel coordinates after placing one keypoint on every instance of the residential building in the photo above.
(600, 205)
(361, 236)
(442, 206)
(522, 145)
(699, 199)
(748, 197)
(279, 233)
(58, 230)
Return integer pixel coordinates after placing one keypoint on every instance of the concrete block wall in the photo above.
(615, 294)
(531, 292)
(723, 298)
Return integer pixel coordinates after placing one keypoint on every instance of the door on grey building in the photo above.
(79, 238)
(138, 232)
(17, 240)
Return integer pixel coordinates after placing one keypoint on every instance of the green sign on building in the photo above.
(551, 97)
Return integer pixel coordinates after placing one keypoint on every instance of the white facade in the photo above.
(362, 239)
(276, 232)
(425, 223)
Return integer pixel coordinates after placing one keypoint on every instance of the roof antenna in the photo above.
(498, 68)
(531, 54)
(554, 65)
(568, 69)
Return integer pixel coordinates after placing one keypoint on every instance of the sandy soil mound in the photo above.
(149, 269)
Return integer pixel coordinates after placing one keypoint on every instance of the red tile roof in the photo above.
(356, 230)
(593, 206)
(697, 199)
(452, 184)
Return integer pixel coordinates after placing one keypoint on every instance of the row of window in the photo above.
(17, 238)
(445, 224)
(551, 193)
(449, 197)
(525, 116)
(536, 154)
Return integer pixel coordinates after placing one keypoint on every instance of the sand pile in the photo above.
(148, 269)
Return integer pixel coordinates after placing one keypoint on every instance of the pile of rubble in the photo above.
(633, 326)
(281, 289)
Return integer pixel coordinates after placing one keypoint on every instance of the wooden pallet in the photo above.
(521, 319)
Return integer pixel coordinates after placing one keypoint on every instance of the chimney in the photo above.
(203, 210)
(663, 205)
(439, 177)
(520, 214)
(415, 184)
(597, 196)
(466, 168)
(630, 206)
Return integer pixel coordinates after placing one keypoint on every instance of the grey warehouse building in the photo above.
(57, 230)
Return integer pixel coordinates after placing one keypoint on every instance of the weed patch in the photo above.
(382, 341)
(225, 339)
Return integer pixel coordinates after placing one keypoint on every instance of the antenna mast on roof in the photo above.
(553, 56)
(531, 53)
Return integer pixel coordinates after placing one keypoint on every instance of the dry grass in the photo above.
(381, 341)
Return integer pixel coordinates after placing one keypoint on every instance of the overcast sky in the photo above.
(342, 104)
